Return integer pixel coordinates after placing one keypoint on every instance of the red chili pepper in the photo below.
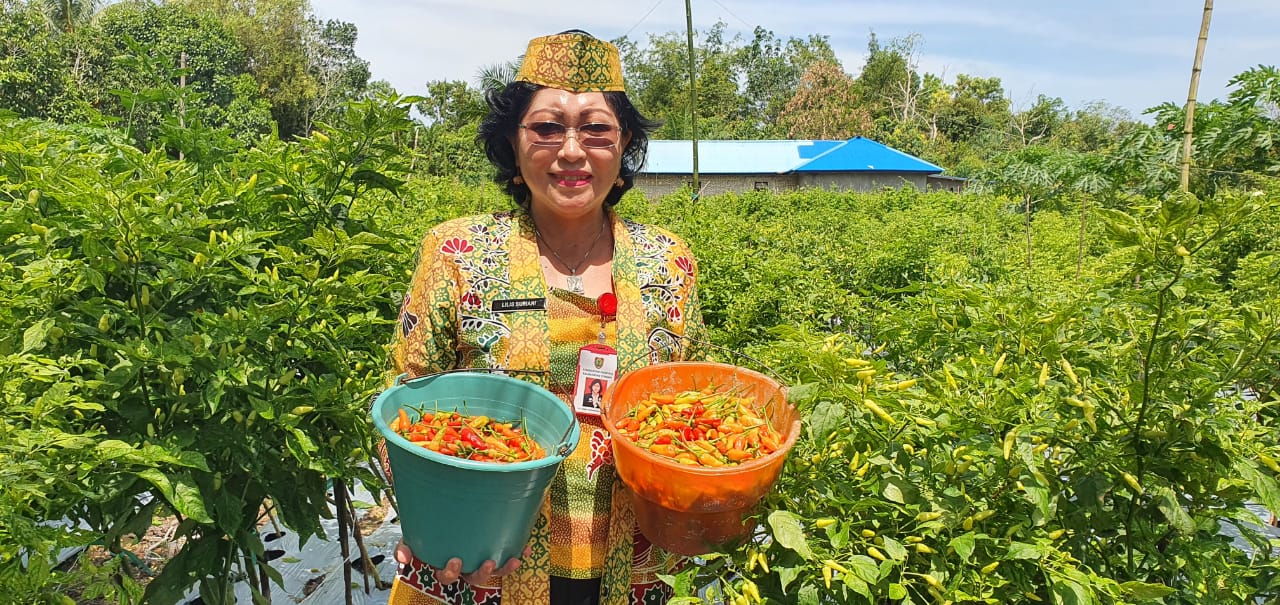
(472, 438)
(480, 438)
(702, 429)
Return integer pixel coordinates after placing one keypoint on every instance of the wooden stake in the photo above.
(1184, 184)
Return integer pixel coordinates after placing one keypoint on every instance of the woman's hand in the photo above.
(453, 569)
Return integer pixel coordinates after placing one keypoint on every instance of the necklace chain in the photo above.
(574, 281)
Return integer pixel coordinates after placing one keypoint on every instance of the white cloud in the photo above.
(1131, 53)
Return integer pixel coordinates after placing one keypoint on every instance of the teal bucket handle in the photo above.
(403, 378)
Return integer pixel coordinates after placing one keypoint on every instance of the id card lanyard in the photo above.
(597, 364)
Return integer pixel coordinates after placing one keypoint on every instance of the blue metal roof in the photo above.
(780, 157)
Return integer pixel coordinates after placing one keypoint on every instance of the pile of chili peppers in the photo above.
(701, 427)
(477, 438)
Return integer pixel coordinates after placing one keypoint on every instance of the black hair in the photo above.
(508, 104)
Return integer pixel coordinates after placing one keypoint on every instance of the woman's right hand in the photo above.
(452, 570)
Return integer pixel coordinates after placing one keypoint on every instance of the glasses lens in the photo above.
(594, 135)
(547, 133)
(597, 135)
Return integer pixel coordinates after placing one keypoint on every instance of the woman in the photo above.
(594, 396)
(522, 290)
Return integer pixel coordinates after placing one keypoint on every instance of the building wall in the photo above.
(947, 183)
(656, 186)
(862, 181)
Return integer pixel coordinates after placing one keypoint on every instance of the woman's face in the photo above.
(595, 388)
(569, 180)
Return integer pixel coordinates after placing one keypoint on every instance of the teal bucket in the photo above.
(476, 511)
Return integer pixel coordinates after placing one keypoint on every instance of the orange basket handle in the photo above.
(629, 365)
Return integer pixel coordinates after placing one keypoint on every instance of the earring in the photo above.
(619, 182)
(517, 180)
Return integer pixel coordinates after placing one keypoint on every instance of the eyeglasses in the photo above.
(593, 135)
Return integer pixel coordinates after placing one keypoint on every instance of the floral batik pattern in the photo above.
(448, 320)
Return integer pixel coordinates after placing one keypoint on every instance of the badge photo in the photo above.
(597, 369)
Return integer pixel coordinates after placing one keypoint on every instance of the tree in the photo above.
(1095, 127)
(305, 67)
(35, 77)
(772, 70)
(1230, 138)
(889, 84)
(451, 104)
(825, 106)
(69, 15)
(340, 74)
(1039, 122)
(975, 107)
(493, 77)
(147, 47)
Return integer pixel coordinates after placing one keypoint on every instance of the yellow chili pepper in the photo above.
(1132, 482)
(878, 411)
(1010, 438)
(1071, 373)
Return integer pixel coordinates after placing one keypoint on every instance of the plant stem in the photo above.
(340, 503)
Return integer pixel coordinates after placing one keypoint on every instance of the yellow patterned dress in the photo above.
(459, 313)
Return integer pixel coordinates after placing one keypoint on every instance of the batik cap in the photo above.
(573, 61)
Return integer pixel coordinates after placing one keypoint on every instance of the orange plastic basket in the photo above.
(694, 510)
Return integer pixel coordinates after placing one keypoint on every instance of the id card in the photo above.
(597, 369)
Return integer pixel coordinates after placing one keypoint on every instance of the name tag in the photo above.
(519, 304)
(597, 369)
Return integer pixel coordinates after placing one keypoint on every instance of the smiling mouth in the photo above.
(573, 180)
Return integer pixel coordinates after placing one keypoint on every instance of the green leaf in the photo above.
(1141, 591)
(1022, 550)
(824, 420)
(36, 335)
(857, 585)
(788, 530)
(196, 559)
(865, 568)
(808, 595)
(897, 591)
(377, 180)
(900, 491)
(1067, 592)
(1264, 485)
(682, 582)
(1167, 502)
(786, 575)
(181, 492)
(964, 545)
(803, 392)
(894, 549)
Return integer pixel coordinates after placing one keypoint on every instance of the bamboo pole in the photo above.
(1184, 183)
(693, 96)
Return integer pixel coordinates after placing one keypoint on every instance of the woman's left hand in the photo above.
(453, 569)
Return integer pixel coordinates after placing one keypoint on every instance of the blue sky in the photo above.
(1133, 54)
